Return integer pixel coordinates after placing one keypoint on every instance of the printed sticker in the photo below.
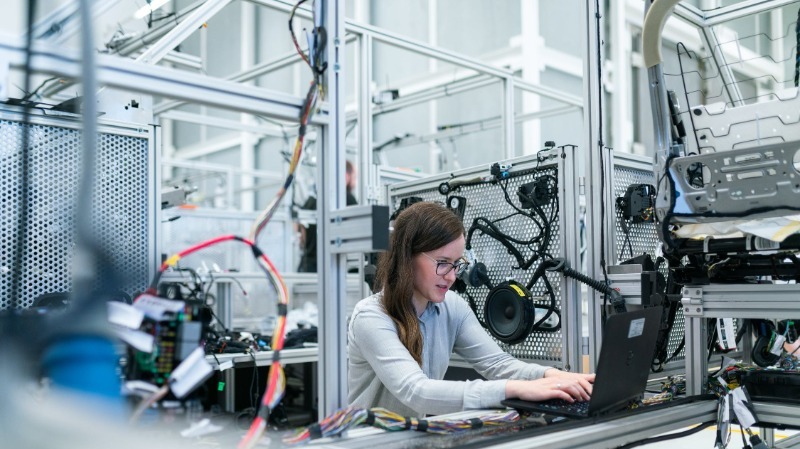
(637, 328)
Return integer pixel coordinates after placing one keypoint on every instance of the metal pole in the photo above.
(331, 196)
(571, 294)
(508, 117)
(594, 163)
(367, 170)
(369, 182)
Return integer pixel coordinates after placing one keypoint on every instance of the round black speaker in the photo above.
(509, 312)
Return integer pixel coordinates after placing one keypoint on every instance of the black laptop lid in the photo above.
(626, 354)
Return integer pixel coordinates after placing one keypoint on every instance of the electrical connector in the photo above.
(755, 440)
(500, 171)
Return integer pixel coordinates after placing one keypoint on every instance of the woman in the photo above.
(400, 340)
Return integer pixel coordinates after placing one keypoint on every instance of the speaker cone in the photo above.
(509, 312)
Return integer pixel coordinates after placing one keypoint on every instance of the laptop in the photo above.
(629, 343)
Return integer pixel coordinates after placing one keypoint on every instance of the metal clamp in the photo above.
(359, 229)
(692, 301)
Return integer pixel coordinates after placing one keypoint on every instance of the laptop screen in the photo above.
(626, 353)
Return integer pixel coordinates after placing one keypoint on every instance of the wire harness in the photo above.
(276, 382)
(349, 417)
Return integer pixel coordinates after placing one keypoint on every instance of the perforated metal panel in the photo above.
(487, 200)
(123, 205)
(643, 237)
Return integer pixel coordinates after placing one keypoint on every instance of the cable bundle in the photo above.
(731, 376)
(276, 382)
(349, 417)
(671, 388)
(315, 60)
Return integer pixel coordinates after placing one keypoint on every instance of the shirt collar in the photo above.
(430, 309)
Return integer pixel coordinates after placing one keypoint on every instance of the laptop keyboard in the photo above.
(577, 407)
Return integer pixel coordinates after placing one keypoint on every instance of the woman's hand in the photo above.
(555, 385)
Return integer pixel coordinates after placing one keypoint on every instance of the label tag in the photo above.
(777, 346)
(725, 334)
(225, 365)
(637, 328)
(193, 371)
(742, 408)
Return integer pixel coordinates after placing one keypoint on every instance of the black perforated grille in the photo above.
(487, 200)
(121, 207)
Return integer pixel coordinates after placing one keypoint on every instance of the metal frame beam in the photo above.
(206, 166)
(728, 301)
(61, 25)
(597, 160)
(217, 122)
(152, 35)
(250, 74)
(727, 13)
(365, 114)
(131, 46)
(399, 41)
(182, 31)
(362, 229)
(125, 74)
(617, 432)
(332, 295)
(486, 125)
(183, 59)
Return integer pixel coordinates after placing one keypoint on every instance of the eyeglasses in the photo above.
(442, 268)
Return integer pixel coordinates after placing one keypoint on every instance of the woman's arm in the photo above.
(527, 381)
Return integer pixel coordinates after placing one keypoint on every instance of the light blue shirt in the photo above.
(382, 372)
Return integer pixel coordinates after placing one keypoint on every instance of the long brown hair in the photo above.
(421, 227)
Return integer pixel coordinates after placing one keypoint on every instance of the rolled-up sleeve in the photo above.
(375, 337)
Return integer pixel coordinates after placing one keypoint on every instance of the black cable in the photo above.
(665, 232)
(744, 440)
(797, 55)
(549, 222)
(195, 276)
(474, 308)
(542, 239)
(500, 237)
(224, 328)
(29, 96)
(552, 309)
(685, 93)
(671, 436)
(624, 224)
(711, 338)
(254, 383)
(22, 218)
(676, 351)
(540, 273)
(225, 276)
(601, 146)
(494, 228)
